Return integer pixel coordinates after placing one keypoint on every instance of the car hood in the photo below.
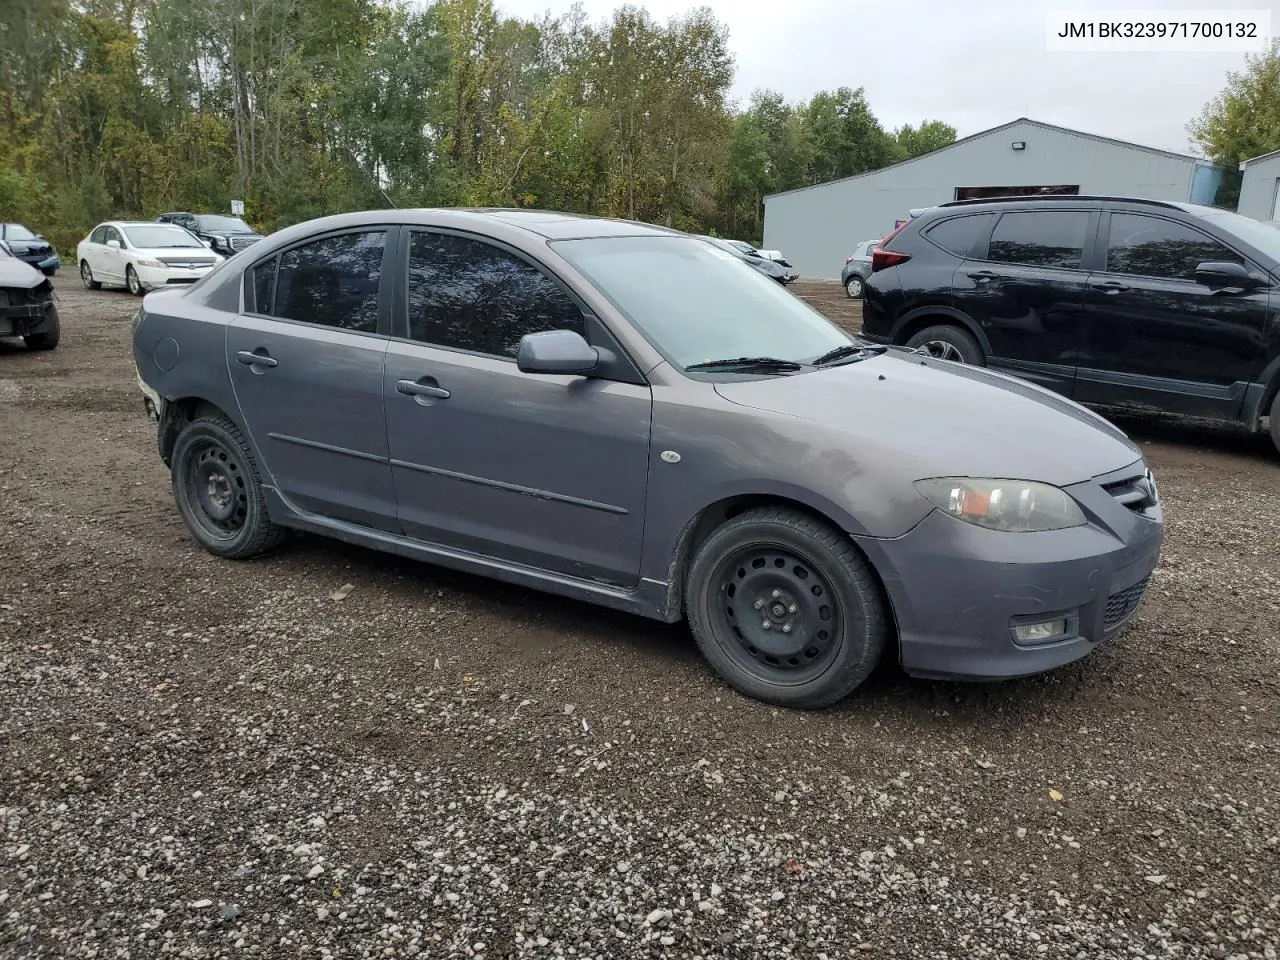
(22, 246)
(943, 419)
(770, 267)
(15, 273)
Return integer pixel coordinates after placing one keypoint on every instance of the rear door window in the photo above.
(960, 235)
(332, 282)
(99, 235)
(1040, 238)
(1155, 247)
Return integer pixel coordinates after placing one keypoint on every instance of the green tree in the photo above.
(929, 136)
(1243, 120)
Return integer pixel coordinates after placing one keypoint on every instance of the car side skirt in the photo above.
(647, 599)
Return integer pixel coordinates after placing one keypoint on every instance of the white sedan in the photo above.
(142, 256)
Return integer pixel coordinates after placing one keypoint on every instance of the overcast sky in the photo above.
(973, 63)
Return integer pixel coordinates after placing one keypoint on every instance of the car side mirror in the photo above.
(113, 244)
(1225, 274)
(556, 351)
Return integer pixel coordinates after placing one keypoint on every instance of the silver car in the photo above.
(620, 413)
(857, 268)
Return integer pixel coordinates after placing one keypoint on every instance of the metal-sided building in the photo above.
(1260, 187)
(817, 227)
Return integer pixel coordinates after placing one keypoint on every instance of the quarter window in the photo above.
(1040, 238)
(1153, 247)
(470, 295)
(960, 235)
(332, 282)
(264, 286)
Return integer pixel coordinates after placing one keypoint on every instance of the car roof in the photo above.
(549, 224)
(1067, 198)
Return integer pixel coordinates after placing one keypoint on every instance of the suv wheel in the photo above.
(949, 343)
(46, 340)
(1275, 421)
(219, 492)
(853, 287)
(785, 608)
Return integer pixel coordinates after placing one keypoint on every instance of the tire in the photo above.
(132, 282)
(1275, 421)
(837, 635)
(218, 490)
(948, 342)
(853, 287)
(46, 340)
(86, 277)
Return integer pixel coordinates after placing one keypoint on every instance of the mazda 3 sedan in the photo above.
(512, 394)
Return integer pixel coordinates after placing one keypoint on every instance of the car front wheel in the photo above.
(785, 608)
(132, 282)
(219, 492)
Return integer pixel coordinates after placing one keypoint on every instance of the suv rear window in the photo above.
(1041, 238)
(959, 235)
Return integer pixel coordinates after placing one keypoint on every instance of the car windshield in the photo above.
(155, 235)
(210, 221)
(697, 303)
(1253, 232)
(16, 231)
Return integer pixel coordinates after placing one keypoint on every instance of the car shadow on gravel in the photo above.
(540, 625)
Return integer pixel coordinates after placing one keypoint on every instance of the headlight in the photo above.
(150, 263)
(1015, 506)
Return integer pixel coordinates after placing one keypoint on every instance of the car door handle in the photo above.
(252, 358)
(417, 388)
(982, 275)
(1110, 286)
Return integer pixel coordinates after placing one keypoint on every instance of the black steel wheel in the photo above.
(785, 608)
(218, 490)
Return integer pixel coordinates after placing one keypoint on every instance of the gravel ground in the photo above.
(211, 759)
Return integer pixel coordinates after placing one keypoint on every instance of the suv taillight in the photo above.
(887, 258)
(881, 257)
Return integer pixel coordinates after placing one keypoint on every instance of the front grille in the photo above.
(1122, 604)
(1138, 492)
(187, 263)
(239, 243)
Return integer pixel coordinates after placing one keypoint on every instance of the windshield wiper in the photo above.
(848, 351)
(746, 363)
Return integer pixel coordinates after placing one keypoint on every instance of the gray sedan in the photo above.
(620, 413)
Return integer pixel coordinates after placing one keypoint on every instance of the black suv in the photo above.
(226, 235)
(1108, 300)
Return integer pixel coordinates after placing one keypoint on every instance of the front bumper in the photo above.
(956, 588)
(23, 320)
(157, 278)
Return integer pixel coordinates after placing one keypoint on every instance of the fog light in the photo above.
(1040, 632)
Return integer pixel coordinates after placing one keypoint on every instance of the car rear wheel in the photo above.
(853, 287)
(86, 277)
(1275, 421)
(949, 343)
(46, 340)
(132, 282)
(219, 492)
(785, 608)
